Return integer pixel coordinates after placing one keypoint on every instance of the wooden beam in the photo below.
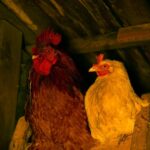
(61, 21)
(6, 14)
(140, 137)
(58, 7)
(125, 37)
(20, 13)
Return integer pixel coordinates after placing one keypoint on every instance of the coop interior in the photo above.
(119, 29)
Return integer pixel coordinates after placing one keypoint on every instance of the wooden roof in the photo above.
(120, 29)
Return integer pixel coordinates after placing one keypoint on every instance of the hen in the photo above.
(56, 110)
(111, 103)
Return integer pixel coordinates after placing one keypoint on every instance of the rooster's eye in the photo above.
(48, 51)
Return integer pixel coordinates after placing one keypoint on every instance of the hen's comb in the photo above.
(100, 58)
(48, 37)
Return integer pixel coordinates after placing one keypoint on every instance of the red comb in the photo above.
(48, 37)
(100, 58)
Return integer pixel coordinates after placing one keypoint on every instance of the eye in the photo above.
(104, 66)
(47, 50)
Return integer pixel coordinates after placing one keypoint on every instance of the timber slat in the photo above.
(140, 135)
(10, 55)
(6, 14)
(125, 37)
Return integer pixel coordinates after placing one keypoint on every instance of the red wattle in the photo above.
(42, 67)
(103, 73)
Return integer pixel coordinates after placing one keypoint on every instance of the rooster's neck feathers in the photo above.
(63, 75)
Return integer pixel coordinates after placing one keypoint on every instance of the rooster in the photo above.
(111, 103)
(56, 110)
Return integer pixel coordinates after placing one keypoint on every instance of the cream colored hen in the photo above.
(111, 103)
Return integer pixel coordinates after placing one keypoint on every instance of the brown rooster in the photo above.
(111, 103)
(56, 110)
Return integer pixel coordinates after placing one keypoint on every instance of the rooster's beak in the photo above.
(92, 69)
(34, 56)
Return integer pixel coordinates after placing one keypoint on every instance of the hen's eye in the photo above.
(104, 66)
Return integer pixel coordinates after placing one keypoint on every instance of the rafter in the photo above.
(125, 37)
(20, 13)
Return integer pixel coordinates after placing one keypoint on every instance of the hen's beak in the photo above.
(92, 69)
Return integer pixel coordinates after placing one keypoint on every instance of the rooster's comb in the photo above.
(100, 58)
(48, 37)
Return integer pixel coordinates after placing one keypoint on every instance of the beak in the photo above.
(35, 56)
(92, 69)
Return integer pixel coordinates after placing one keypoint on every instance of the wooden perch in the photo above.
(140, 137)
(21, 135)
(125, 37)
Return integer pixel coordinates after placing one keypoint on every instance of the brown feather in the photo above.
(56, 113)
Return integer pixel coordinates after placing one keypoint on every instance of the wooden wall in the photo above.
(10, 54)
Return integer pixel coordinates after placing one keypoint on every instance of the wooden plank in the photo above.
(6, 14)
(101, 16)
(10, 48)
(20, 13)
(140, 137)
(125, 37)
(76, 17)
(60, 21)
(134, 33)
(79, 18)
(132, 13)
(30, 14)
